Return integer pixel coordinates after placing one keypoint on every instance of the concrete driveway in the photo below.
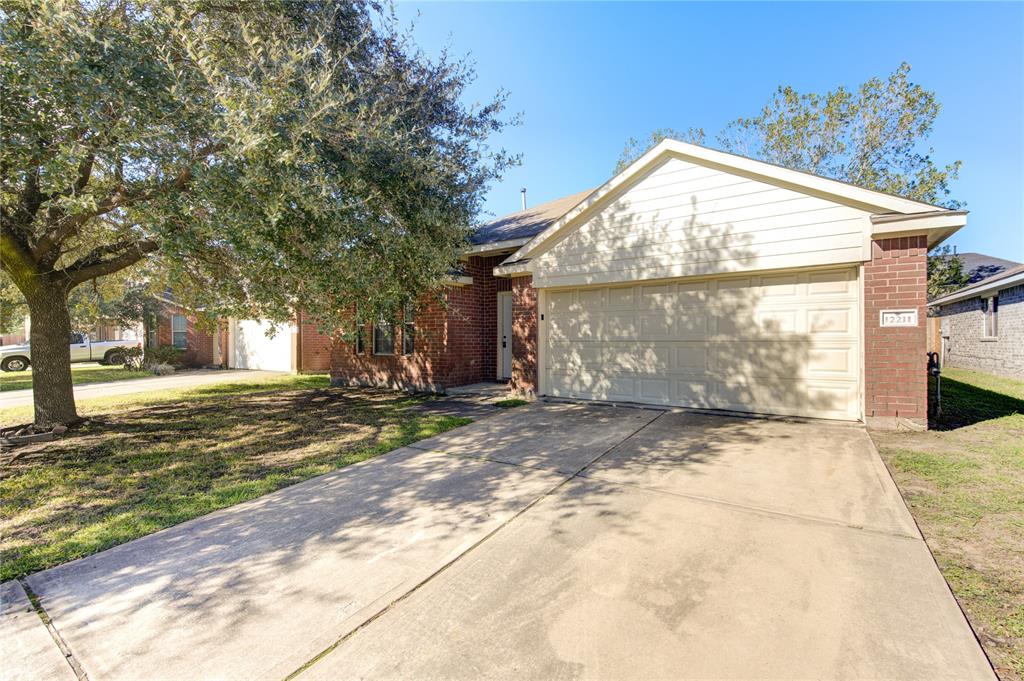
(184, 379)
(549, 541)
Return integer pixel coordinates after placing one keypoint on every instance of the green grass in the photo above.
(511, 402)
(80, 375)
(125, 474)
(100, 405)
(964, 484)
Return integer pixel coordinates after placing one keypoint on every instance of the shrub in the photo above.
(164, 354)
(132, 357)
(161, 369)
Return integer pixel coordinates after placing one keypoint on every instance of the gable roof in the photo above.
(525, 223)
(874, 202)
(1010, 277)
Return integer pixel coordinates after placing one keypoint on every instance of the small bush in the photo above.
(164, 354)
(132, 357)
(161, 369)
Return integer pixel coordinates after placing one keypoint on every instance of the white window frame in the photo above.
(378, 329)
(183, 331)
(409, 330)
(990, 317)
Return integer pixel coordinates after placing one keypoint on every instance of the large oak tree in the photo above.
(271, 155)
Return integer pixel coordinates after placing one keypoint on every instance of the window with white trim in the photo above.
(408, 330)
(179, 331)
(990, 310)
(360, 342)
(383, 339)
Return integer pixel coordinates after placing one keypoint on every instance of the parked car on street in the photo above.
(19, 357)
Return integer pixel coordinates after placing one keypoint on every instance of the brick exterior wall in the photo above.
(524, 336)
(199, 338)
(963, 329)
(314, 348)
(455, 344)
(895, 377)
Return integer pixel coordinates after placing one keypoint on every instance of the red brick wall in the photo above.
(314, 346)
(424, 369)
(524, 335)
(456, 340)
(895, 381)
(199, 338)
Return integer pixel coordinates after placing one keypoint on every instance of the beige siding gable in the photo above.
(683, 219)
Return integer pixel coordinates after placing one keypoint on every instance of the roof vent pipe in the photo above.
(522, 192)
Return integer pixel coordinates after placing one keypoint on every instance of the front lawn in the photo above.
(124, 474)
(80, 374)
(964, 484)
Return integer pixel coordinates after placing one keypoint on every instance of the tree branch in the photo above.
(93, 265)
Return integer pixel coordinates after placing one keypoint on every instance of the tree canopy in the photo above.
(277, 155)
(873, 137)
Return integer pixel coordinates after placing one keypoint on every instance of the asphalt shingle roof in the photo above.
(980, 266)
(526, 223)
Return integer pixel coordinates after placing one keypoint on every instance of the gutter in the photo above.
(977, 289)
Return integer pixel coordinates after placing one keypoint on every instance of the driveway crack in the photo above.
(62, 645)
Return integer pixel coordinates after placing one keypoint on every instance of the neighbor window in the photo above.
(179, 331)
(360, 334)
(383, 339)
(408, 330)
(990, 309)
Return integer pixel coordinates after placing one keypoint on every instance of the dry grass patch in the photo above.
(123, 474)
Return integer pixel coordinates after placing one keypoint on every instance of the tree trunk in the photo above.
(52, 391)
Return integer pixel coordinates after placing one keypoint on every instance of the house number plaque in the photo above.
(898, 317)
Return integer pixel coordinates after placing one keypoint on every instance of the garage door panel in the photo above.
(832, 320)
(258, 344)
(783, 343)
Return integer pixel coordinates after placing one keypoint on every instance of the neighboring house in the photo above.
(693, 278)
(982, 325)
(18, 335)
(172, 324)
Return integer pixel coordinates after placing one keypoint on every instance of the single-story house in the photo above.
(175, 325)
(981, 326)
(693, 278)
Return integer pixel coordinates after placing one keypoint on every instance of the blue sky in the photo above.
(587, 76)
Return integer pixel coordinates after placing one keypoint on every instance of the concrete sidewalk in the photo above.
(546, 541)
(184, 379)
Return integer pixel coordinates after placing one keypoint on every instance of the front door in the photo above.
(504, 335)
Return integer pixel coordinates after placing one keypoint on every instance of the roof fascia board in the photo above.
(494, 247)
(814, 185)
(978, 289)
(936, 225)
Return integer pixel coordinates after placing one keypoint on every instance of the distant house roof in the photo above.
(526, 223)
(980, 266)
(1005, 279)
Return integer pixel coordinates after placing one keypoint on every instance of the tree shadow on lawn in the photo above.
(964, 405)
(119, 476)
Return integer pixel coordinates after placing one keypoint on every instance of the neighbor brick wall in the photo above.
(963, 328)
(896, 381)
(199, 338)
(524, 335)
(315, 347)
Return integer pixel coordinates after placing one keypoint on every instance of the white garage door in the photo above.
(252, 349)
(785, 343)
